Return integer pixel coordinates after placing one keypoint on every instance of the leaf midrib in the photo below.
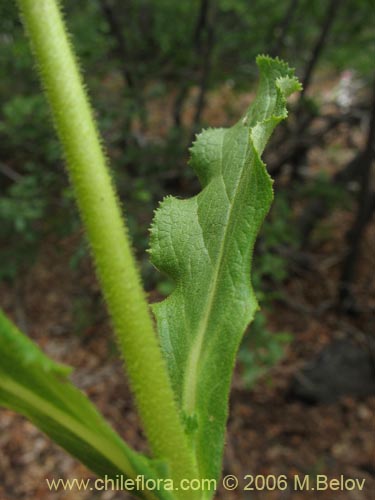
(191, 371)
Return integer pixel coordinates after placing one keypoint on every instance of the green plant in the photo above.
(21, 212)
(261, 350)
(30, 193)
(181, 377)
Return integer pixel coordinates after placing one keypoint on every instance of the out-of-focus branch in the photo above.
(365, 209)
(120, 48)
(331, 14)
(10, 173)
(282, 28)
(207, 22)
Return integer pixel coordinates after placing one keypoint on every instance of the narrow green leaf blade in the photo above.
(37, 387)
(205, 244)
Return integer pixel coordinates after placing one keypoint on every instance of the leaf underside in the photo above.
(205, 245)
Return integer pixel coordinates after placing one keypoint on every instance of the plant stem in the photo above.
(108, 237)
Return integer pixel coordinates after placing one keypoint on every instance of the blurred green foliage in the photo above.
(321, 186)
(262, 348)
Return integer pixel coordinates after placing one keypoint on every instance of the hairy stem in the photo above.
(107, 234)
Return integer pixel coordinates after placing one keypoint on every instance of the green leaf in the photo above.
(205, 245)
(37, 387)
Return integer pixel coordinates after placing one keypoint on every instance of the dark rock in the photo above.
(343, 368)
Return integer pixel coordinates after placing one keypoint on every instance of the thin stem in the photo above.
(108, 237)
